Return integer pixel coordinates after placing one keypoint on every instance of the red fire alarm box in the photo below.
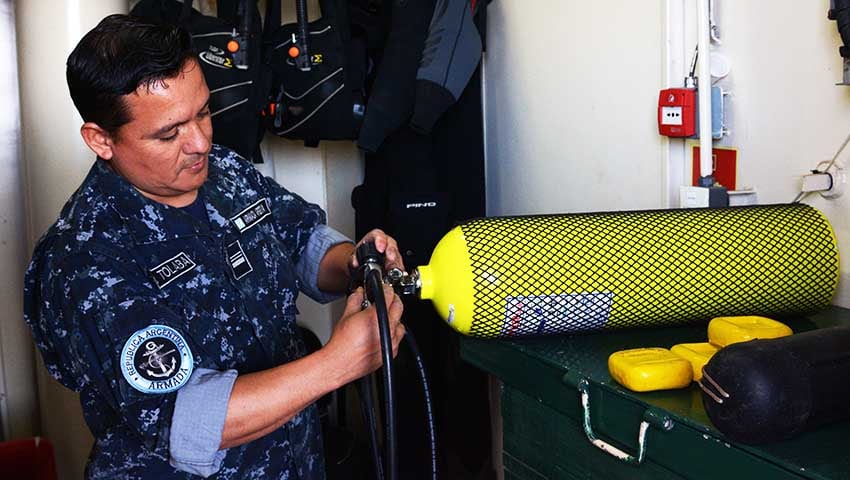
(677, 111)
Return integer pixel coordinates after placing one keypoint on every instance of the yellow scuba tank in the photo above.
(516, 276)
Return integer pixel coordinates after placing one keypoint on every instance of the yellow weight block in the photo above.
(648, 369)
(723, 331)
(698, 354)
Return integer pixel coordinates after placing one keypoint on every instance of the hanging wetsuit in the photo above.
(451, 54)
(417, 185)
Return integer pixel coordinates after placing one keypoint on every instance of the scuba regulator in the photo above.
(369, 275)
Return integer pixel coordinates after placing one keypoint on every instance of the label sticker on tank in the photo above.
(573, 312)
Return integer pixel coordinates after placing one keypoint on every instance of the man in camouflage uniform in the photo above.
(165, 292)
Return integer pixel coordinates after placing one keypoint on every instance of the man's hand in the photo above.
(386, 245)
(355, 341)
(338, 263)
(263, 401)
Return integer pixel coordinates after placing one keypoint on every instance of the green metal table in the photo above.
(545, 435)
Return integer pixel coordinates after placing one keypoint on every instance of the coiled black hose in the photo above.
(367, 408)
(369, 258)
(375, 290)
(426, 395)
(364, 389)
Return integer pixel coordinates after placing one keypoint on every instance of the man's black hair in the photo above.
(119, 55)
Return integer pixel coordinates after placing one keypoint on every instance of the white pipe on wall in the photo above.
(675, 68)
(18, 401)
(55, 162)
(704, 88)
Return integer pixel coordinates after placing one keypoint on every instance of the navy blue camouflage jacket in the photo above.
(150, 313)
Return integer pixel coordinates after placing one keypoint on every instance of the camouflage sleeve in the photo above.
(307, 268)
(100, 306)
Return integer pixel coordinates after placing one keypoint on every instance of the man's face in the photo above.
(163, 150)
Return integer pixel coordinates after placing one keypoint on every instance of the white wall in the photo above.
(572, 89)
(788, 114)
(18, 406)
(570, 92)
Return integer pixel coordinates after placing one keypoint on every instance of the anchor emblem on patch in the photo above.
(155, 360)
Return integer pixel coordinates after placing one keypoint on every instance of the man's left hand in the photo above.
(386, 245)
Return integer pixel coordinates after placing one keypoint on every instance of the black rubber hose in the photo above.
(303, 24)
(367, 408)
(376, 287)
(426, 395)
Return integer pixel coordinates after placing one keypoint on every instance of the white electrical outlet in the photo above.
(744, 196)
(839, 179)
(816, 182)
(693, 197)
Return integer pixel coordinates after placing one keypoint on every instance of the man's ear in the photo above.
(99, 140)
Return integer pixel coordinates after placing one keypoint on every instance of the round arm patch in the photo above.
(156, 359)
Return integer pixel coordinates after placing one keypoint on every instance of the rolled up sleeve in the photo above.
(307, 268)
(198, 421)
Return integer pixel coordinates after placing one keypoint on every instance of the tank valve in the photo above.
(404, 283)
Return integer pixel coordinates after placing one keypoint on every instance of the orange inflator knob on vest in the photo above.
(294, 52)
(233, 46)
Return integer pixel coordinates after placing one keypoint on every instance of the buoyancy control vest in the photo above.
(323, 100)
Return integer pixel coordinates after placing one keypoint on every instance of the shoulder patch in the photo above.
(252, 215)
(156, 359)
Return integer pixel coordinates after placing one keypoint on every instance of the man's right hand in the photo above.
(263, 401)
(356, 341)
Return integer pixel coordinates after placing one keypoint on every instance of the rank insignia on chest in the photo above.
(251, 215)
(156, 359)
(171, 269)
(238, 261)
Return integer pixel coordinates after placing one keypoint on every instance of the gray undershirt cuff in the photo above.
(198, 422)
(307, 268)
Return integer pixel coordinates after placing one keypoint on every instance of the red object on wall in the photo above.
(677, 111)
(724, 166)
(29, 459)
